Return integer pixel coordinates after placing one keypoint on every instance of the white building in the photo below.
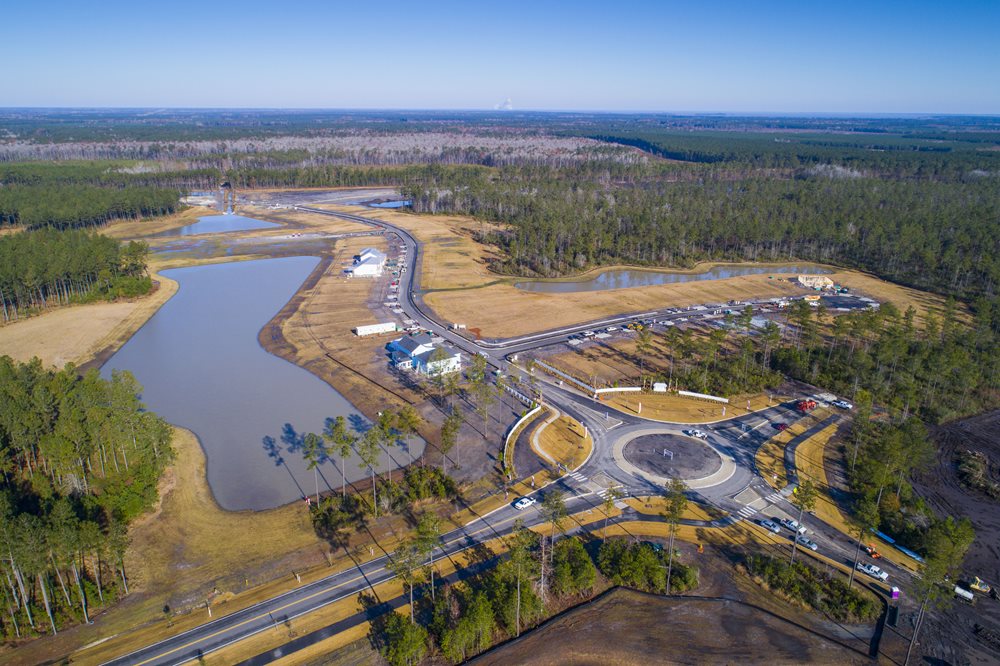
(420, 354)
(369, 263)
(376, 329)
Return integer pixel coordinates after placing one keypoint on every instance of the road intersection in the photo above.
(738, 492)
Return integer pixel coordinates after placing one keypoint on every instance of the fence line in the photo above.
(703, 396)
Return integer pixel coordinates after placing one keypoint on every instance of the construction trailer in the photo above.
(376, 329)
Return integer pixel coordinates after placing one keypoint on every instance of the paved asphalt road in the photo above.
(584, 488)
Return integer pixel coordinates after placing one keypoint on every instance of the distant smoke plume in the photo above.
(505, 105)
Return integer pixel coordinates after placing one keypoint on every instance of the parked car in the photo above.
(611, 329)
(873, 571)
(792, 525)
(803, 540)
(769, 524)
(700, 434)
(524, 503)
(843, 404)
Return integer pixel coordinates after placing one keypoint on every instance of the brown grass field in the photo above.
(77, 334)
(452, 258)
(129, 229)
(461, 287)
(672, 408)
(563, 440)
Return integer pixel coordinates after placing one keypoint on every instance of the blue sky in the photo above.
(750, 56)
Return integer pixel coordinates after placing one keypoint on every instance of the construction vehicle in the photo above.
(979, 585)
(805, 405)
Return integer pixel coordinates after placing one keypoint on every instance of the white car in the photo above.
(873, 571)
(524, 503)
(696, 433)
(793, 525)
(803, 540)
(769, 525)
(843, 404)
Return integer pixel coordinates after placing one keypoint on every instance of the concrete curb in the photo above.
(723, 474)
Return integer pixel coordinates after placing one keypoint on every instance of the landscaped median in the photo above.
(673, 408)
(809, 462)
(655, 506)
(561, 440)
(770, 457)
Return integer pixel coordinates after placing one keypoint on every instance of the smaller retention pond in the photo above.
(633, 277)
(217, 224)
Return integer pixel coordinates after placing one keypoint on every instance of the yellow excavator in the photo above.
(979, 585)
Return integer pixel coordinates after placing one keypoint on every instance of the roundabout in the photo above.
(660, 454)
(672, 456)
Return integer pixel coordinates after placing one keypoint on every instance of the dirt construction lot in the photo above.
(951, 635)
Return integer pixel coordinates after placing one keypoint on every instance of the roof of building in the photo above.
(399, 357)
(425, 357)
(408, 344)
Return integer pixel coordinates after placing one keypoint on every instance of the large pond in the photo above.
(202, 368)
(627, 278)
(217, 224)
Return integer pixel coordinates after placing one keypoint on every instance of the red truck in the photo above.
(805, 405)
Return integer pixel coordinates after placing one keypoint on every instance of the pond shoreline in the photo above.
(603, 279)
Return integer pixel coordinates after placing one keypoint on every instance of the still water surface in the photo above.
(217, 224)
(627, 278)
(202, 368)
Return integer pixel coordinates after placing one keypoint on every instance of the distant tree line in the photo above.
(922, 156)
(80, 459)
(43, 268)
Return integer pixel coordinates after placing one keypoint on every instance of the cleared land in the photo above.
(460, 286)
(452, 258)
(80, 333)
(674, 630)
(949, 635)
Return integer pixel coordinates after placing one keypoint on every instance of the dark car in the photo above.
(780, 426)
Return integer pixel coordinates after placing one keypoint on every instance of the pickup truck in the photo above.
(793, 525)
(873, 571)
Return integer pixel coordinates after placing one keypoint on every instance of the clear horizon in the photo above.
(789, 58)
